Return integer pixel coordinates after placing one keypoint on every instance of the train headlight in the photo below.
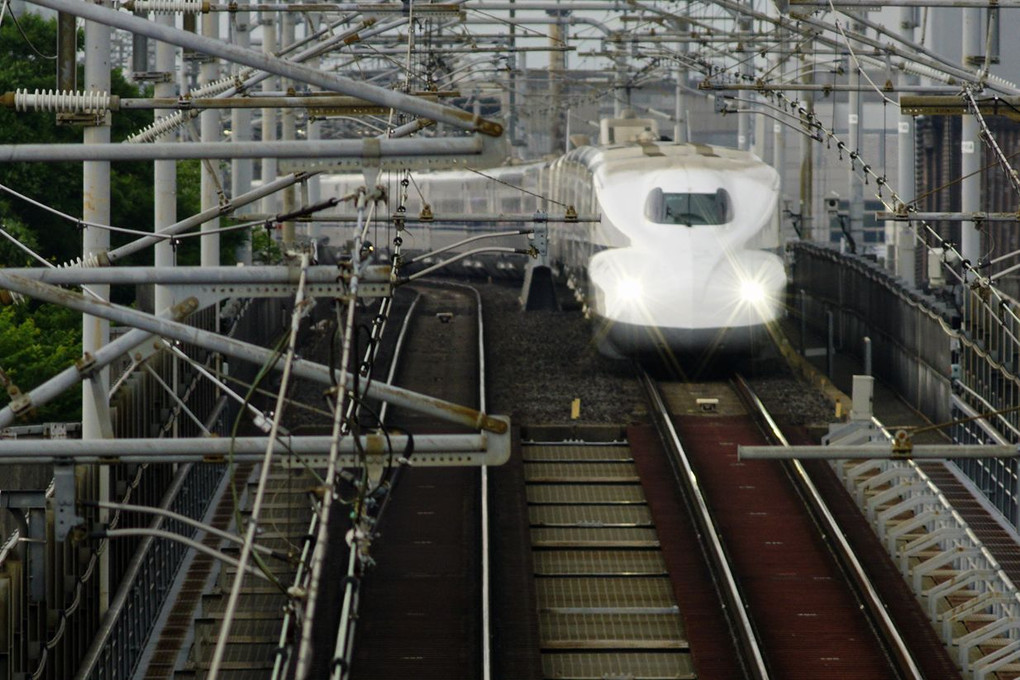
(624, 298)
(629, 290)
(753, 292)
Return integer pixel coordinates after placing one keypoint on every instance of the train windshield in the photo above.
(688, 209)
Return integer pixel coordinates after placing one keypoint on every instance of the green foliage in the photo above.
(189, 201)
(265, 248)
(36, 343)
(9, 252)
(59, 185)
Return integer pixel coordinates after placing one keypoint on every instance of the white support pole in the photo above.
(240, 128)
(906, 186)
(288, 131)
(96, 331)
(744, 123)
(164, 172)
(210, 132)
(970, 145)
(313, 134)
(270, 204)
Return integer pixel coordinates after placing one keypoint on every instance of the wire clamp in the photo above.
(86, 365)
(902, 446)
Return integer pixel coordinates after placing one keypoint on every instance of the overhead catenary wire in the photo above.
(260, 492)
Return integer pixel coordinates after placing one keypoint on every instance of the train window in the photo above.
(510, 205)
(688, 209)
(449, 206)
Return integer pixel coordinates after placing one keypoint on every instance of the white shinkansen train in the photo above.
(684, 260)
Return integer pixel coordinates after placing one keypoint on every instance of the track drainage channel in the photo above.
(606, 606)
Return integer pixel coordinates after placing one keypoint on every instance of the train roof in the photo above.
(644, 156)
(613, 158)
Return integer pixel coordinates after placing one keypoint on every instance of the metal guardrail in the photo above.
(116, 648)
(997, 478)
(47, 632)
(970, 600)
(949, 363)
(870, 599)
(912, 332)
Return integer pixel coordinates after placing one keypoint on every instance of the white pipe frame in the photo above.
(435, 450)
(242, 350)
(300, 308)
(327, 81)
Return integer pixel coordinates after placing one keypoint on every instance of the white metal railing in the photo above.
(953, 575)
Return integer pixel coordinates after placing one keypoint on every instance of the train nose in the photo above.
(640, 287)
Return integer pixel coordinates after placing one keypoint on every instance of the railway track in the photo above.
(596, 555)
(799, 604)
(420, 613)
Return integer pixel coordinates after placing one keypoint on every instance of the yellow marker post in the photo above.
(575, 409)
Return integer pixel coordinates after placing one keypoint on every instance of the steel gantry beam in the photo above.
(870, 4)
(950, 105)
(878, 452)
(242, 350)
(430, 450)
(397, 152)
(332, 82)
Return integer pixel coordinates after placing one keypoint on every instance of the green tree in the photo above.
(36, 343)
(23, 65)
(10, 253)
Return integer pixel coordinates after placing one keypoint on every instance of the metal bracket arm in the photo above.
(451, 450)
(320, 373)
(886, 451)
(65, 518)
(331, 82)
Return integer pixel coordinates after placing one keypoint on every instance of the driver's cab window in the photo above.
(688, 209)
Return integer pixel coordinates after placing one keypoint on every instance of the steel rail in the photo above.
(486, 541)
(865, 589)
(736, 605)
